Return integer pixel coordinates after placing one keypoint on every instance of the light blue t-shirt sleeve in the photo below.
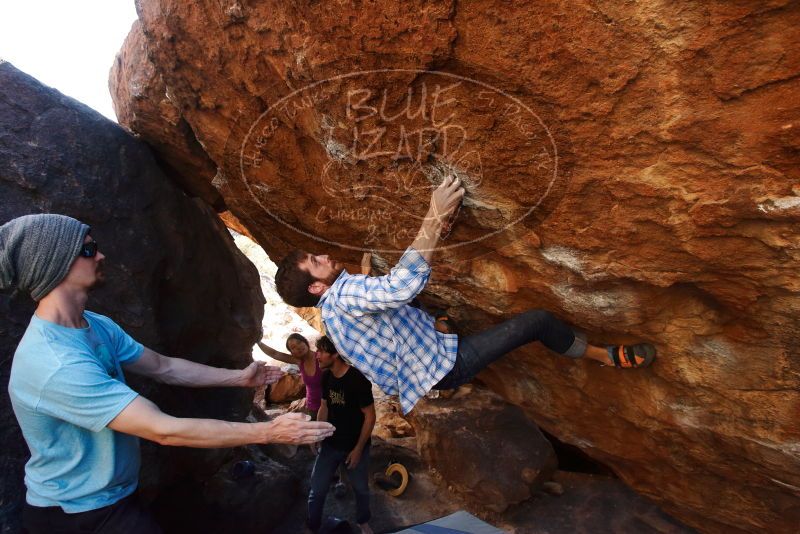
(82, 393)
(128, 350)
(125, 349)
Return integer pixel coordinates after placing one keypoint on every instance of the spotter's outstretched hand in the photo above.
(257, 374)
(298, 429)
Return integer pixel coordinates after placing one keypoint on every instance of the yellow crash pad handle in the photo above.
(398, 468)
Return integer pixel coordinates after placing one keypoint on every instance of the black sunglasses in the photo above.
(88, 250)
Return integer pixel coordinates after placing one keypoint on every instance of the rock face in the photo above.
(591, 503)
(180, 153)
(288, 388)
(484, 448)
(227, 504)
(631, 167)
(175, 281)
(389, 423)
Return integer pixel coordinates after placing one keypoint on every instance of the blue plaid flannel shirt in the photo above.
(393, 344)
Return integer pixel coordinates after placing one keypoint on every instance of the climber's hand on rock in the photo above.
(297, 429)
(446, 198)
(366, 263)
(257, 374)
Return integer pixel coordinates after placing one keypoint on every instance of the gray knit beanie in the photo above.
(36, 251)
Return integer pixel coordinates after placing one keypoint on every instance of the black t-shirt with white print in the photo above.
(345, 397)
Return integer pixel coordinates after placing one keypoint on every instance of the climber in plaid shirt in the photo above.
(396, 345)
(369, 320)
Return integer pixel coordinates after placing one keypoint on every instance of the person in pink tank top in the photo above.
(301, 355)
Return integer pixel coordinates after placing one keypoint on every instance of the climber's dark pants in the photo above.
(126, 516)
(477, 351)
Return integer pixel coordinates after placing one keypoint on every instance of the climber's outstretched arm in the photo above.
(444, 201)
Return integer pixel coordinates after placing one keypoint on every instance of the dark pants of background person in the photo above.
(342, 469)
(328, 460)
(477, 351)
(126, 516)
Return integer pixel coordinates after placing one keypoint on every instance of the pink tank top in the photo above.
(313, 386)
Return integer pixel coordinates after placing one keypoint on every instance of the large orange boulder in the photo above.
(288, 388)
(633, 167)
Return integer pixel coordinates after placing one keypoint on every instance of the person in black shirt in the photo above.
(348, 405)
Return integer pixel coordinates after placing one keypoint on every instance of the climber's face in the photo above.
(323, 269)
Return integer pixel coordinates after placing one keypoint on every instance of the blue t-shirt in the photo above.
(66, 385)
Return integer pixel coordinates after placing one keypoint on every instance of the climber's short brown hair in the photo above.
(292, 282)
(324, 343)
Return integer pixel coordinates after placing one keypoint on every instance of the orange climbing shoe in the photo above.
(630, 356)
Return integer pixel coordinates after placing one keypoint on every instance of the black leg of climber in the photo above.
(477, 351)
(398, 346)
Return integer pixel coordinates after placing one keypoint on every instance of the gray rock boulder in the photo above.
(175, 280)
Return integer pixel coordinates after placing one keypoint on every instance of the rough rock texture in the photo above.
(633, 164)
(179, 152)
(288, 388)
(389, 423)
(175, 281)
(590, 503)
(483, 447)
(250, 505)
